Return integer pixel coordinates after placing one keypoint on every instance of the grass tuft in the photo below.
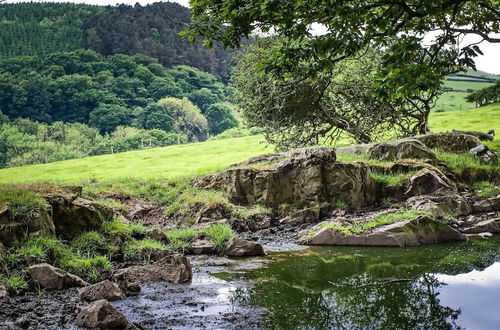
(181, 238)
(24, 203)
(219, 234)
(486, 189)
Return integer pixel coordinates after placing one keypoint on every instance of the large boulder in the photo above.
(428, 181)
(421, 230)
(450, 142)
(174, 268)
(73, 215)
(490, 226)
(102, 290)
(401, 149)
(101, 315)
(14, 229)
(51, 278)
(487, 205)
(441, 205)
(237, 247)
(306, 176)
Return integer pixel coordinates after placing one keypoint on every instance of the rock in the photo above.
(306, 177)
(401, 149)
(237, 247)
(441, 205)
(52, 278)
(73, 216)
(3, 291)
(102, 290)
(450, 142)
(174, 268)
(303, 216)
(490, 225)
(484, 154)
(480, 235)
(202, 246)
(355, 149)
(428, 181)
(157, 234)
(480, 135)
(421, 230)
(139, 211)
(102, 315)
(213, 211)
(130, 288)
(487, 205)
(14, 230)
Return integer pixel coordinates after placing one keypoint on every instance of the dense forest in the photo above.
(116, 103)
(42, 28)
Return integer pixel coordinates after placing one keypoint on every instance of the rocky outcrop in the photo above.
(306, 176)
(14, 229)
(441, 205)
(213, 211)
(428, 181)
(51, 278)
(237, 247)
(174, 268)
(101, 315)
(73, 215)
(401, 149)
(102, 290)
(450, 142)
(421, 230)
(487, 205)
(490, 226)
(302, 216)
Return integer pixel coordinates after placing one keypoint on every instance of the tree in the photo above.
(155, 117)
(351, 27)
(485, 95)
(188, 118)
(305, 112)
(203, 98)
(220, 118)
(107, 117)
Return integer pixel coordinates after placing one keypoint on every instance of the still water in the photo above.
(445, 286)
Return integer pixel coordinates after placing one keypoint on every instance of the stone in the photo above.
(480, 235)
(101, 315)
(302, 216)
(157, 234)
(428, 181)
(450, 142)
(130, 288)
(487, 205)
(212, 212)
(421, 230)
(441, 205)
(490, 225)
(480, 135)
(102, 290)
(73, 216)
(202, 246)
(51, 278)
(174, 268)
(3, 291)
(355, 149)
(305, 177)
(14, 230)
(486, 155)
(401, 149)
(237, 247)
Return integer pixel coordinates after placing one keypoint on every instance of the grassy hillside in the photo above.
(462, 84)
(199, 158)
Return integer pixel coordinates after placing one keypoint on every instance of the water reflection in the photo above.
(431, 287)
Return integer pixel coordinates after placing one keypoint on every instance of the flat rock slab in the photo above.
(52, 278)
(237, 247)
(174, 268)
(490, 225)
(401, 149)
(421, 230)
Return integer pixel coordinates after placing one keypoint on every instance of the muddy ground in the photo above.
(207, 302)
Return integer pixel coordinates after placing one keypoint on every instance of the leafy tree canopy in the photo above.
(352, 27)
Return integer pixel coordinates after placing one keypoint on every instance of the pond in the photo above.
(443, 286)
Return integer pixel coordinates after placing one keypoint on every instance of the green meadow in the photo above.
(200, 158)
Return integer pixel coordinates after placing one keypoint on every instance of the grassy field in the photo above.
(455, 99)
(199, 158)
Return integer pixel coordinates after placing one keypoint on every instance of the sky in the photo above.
(489, 62)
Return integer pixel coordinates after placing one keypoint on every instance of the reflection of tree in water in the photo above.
(357, 303)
